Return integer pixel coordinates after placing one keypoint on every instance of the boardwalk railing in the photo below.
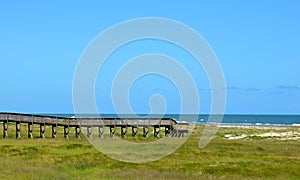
(89, 124)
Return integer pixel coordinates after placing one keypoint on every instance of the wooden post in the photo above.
(42, 130)
(175, 133)
(18, 130)
(145, 131)
(89, 132)
(180, 133)
(157, 131)
(112, 130)
(30, 130)
(167, 131)
(5, 129)
(77, 132)
(101, 131)
(123, 131)
(66, 132)
(54, 131)
(135, 131)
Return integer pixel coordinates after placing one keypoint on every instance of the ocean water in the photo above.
(232, 119)
(256, 119)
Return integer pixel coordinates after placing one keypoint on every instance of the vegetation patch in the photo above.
(254, 157)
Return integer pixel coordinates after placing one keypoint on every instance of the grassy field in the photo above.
(251, 158)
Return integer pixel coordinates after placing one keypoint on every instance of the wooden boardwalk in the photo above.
(171, 127)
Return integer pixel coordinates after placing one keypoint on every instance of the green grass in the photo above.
(261, 158)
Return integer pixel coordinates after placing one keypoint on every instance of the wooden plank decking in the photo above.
(89, 123)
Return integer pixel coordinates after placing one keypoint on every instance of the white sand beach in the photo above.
(289, 135)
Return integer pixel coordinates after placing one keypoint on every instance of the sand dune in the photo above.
(290, 135)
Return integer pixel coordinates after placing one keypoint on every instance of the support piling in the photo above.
(18, 130)
(5, 129)
(42, 130)
(30, 130)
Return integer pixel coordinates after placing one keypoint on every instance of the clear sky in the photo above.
(257, 44)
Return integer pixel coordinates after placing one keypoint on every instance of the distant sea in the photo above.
(228, 119)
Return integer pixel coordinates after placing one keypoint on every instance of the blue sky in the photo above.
(257, 44)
